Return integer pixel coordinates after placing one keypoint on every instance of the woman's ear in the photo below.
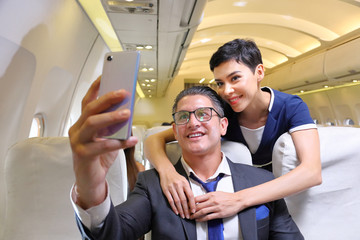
(259, 72)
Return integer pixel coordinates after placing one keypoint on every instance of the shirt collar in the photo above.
(267, 89)
(222, 168)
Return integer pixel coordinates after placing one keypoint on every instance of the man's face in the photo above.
(197, 137)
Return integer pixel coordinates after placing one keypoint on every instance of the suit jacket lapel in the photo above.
(247, 217)
(188, 225)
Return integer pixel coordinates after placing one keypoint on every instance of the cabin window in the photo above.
(329, 123)
(37, 126)
(349, 122)
(316, 121)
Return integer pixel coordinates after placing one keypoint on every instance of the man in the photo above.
(199, 125)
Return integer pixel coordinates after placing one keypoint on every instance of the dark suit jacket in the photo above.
(148, 209)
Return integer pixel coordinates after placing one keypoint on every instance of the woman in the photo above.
(133, 167)
(257, 117)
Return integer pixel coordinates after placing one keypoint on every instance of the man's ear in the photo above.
(223, 125)
(174, 130)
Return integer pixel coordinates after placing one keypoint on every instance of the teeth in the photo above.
(195, 135)
(233, 99)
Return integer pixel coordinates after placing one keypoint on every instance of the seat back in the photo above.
(236, 152)
(39, 175)
(330, 210)
(139, 132)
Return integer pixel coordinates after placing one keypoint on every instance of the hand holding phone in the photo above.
(120, 72)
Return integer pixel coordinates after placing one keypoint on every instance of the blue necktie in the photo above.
(215, 226)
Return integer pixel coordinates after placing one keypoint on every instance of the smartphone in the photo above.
(120, 71)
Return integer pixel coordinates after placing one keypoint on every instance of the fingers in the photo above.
(180, 200)
(101, 104)
(130, 142)
(191, 199)
(93, 119)
(85, 135)
(88, 150)
(206, 212)
(178, 193)
(209, 216)
(203, 207)
(214, 205)
(92, 93)
(171, 201)
(177, 200)
(95, 125)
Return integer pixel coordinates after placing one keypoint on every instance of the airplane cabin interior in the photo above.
(51, 52)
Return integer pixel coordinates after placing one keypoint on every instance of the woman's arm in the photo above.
(305, 175)
(175, 187)
(154, 148)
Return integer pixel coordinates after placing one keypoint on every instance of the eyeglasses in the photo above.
(203, 114)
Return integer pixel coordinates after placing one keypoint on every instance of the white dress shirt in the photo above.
(231, 224)
(94, 217)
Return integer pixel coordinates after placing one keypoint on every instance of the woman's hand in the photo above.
(175, 187)
(178, 192)
(216, 205)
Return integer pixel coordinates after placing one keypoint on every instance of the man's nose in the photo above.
(193, 120)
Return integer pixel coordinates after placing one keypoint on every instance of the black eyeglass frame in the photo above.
(190, 112)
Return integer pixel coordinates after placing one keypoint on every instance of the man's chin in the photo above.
(194, 149)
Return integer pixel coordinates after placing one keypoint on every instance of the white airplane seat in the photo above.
(38, 176)
(151, 131)
(156, 129)
(139, 132)
(330, 210)
(236, 152)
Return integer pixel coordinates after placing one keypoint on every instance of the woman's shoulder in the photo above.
(283, 99)
(287, 95)
(278, 94)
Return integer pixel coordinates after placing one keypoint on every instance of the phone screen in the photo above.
(120, 71)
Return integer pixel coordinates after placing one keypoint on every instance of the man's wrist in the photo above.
(91, 198)
(93, 217)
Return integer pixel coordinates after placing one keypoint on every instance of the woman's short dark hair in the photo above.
(242, 51)
(204, 91)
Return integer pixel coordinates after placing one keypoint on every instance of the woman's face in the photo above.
(237, 84)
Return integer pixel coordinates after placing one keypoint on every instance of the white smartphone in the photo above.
(120, 71)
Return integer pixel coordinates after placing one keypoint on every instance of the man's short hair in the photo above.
(242, 51)
(204, 91)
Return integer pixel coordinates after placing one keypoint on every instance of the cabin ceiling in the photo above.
(165, 26)
(284, 30)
